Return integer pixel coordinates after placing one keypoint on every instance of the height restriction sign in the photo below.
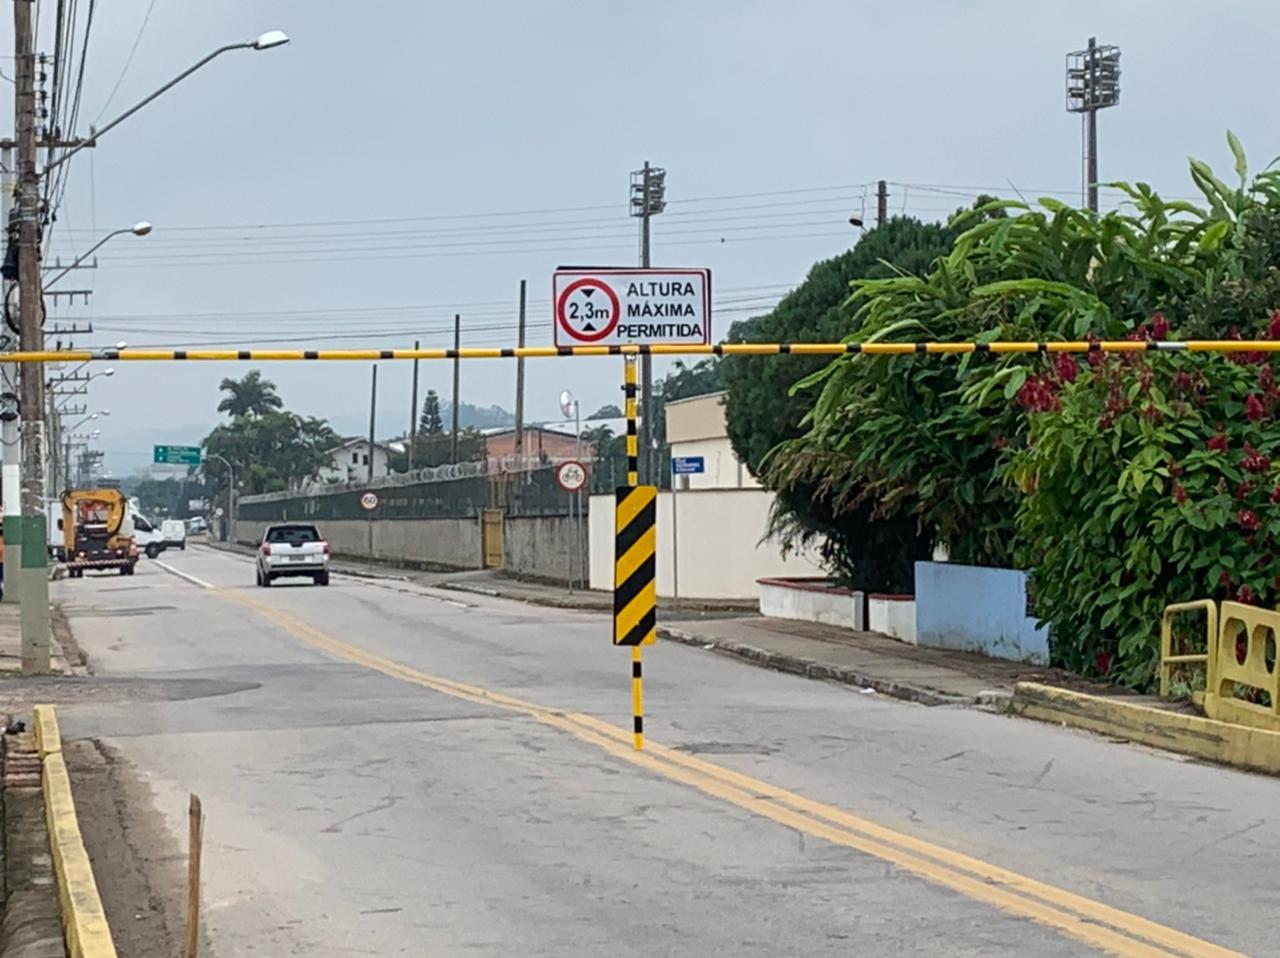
(608, 307)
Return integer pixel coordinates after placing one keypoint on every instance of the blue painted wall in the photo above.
(978, 610)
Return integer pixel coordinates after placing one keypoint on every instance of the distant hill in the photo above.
(477, 417)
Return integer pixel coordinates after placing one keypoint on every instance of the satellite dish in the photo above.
(568, 405)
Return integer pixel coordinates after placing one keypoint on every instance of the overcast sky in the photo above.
(413, 131)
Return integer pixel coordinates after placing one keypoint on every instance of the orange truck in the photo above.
(97, 531)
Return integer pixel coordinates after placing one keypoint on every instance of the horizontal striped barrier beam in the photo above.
(717, 349)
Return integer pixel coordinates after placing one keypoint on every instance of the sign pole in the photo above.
(675, 541)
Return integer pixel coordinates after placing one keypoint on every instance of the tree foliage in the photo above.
(249, 396)
(430, 423)
(270, 448)
(1121, 484)
(765, 407)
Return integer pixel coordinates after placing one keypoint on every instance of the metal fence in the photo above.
(532, 493)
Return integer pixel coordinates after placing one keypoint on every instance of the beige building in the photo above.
(696, 428)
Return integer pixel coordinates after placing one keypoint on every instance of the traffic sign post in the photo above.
(369, 502)
(176, 455)
(612, 307)
(571, 476)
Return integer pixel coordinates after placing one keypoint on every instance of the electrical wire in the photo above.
(127, 63)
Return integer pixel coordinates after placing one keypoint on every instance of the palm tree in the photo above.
(250, 396)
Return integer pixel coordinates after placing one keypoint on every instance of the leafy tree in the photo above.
(765, 407)
(610, 411)
(430, 423)
(249, 396)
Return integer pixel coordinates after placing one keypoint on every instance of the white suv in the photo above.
(293, 549)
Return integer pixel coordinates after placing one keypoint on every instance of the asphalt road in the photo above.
(392, 770)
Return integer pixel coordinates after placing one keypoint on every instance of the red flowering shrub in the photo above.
(1136, 505)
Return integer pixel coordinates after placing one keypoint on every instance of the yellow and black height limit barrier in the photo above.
(715, 349)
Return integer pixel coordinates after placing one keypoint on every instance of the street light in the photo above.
(266, 41)
(231, 493)
(137, 229)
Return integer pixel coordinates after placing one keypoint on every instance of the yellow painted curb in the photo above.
(84, 921)
(48, 738)
(1222, 742)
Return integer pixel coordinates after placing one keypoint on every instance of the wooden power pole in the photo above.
(35, 578)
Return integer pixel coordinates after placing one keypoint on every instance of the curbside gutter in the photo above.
(1224, 743)
(84, 921)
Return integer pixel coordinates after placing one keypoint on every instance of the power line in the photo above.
(128, 61)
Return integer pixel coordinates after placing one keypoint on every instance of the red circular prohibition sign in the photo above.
(577, 334)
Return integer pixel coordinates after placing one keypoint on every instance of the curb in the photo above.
(1223, 743)
(797, 665)
(550, 602)
(84, 921)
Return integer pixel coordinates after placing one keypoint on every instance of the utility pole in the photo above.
(413, 408)
(1093, 84)
(882, 203)
(520, 380)
(457, 369)
(648, 198)
(373, 418)
(10, 434)
(35, 560)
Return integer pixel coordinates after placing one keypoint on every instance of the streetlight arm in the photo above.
(92, 140)
(84, 256)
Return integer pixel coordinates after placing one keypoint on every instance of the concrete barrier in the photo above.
(84, 921)
(1222, 742)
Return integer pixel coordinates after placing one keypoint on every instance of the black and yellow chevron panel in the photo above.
(635, 593)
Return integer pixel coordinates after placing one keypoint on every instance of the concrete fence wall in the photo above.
(425, 543)
(723, 549)
(544, 547)
(978, 610)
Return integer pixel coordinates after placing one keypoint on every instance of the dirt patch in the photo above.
(139, 867)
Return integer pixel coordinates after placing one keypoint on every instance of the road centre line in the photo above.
(1101, 926)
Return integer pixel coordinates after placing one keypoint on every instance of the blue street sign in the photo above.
(688, 465)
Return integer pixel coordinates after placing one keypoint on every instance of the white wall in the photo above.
(721, 554)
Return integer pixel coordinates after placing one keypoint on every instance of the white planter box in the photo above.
(893, 615)
(810, 600)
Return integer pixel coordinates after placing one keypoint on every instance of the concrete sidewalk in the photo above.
(867, 660)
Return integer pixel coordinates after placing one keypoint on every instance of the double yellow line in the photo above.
(1108, 929)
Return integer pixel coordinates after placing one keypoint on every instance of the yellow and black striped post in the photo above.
(635, 554)
(634, 588)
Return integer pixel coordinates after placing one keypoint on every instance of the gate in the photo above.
(491, 537)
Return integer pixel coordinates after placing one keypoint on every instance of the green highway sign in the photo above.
(177, 455)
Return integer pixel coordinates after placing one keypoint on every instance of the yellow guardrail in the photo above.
(84, 921)
(1245, 659)
(1168, 658)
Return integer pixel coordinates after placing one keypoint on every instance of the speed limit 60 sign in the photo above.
(608, 307)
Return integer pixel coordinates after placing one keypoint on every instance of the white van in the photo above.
(175, 533)
(147, 537)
